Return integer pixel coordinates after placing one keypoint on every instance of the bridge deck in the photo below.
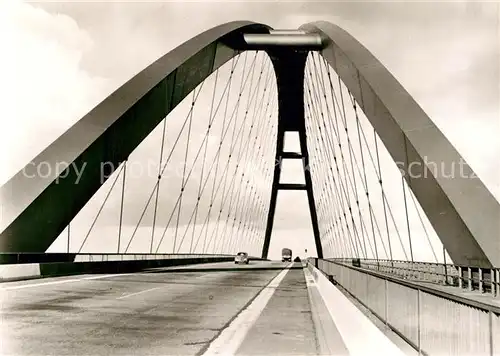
(183, 311)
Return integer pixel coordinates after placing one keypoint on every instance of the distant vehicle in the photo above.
(286, 255)
(241, 257)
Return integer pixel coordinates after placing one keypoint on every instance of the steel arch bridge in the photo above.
(37, 209)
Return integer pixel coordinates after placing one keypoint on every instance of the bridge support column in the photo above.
(289, 67)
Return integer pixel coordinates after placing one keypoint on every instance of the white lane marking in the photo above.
(144, 291)
(230, 339)
(63, 281)
(39, 284)
(110, 276)
(74, 280)
(78, 280)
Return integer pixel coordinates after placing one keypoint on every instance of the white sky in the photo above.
(60, 59)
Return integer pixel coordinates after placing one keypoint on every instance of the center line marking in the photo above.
(40, 284)
(144, 291)
(230, 339)
(31, 285)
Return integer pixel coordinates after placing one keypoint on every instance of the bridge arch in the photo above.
(462, 211)
(30, 201)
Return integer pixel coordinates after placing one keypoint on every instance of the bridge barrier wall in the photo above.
(432, 321)
(102, 263)
(21, 271)
(359, 334)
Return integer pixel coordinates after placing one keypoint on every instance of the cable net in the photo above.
(200, 182)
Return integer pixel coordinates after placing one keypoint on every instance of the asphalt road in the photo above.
(170, 311)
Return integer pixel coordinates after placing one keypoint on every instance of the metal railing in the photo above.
(433, 321)
(482, 280)
(26, 258)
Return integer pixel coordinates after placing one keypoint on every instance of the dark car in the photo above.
(241, 257)
(286, 255)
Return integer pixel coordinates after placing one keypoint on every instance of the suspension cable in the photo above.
(212, 165)
(101, 208)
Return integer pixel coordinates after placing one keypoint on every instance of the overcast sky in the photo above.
(66, 57)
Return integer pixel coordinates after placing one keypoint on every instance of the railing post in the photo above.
(460, 276)
(480, 280)
(386, 302)
(491, 326)
(469, 282)
(492, 282)
(419, 321)
(445, 274)
(497, 282)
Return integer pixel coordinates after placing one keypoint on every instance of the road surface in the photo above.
(223, 308)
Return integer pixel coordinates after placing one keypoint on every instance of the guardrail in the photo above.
(482, 280)
(432, 321)
(25, 258)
